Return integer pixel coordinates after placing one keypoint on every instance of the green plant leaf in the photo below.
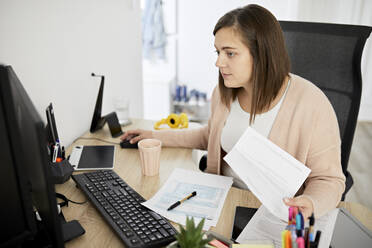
(200, 226)
(191, 236)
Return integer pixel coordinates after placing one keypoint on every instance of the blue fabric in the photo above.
(153, 32)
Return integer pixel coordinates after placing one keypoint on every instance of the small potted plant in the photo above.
(190, 237)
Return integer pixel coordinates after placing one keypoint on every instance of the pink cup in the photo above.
(149, 150)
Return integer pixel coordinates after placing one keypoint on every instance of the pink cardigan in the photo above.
(306, 127)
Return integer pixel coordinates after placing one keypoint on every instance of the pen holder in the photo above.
(61, 171)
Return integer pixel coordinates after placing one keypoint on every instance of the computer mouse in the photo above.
(126, 144)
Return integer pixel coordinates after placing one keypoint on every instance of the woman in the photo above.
(256, 89)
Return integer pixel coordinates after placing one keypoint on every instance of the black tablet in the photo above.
(242, 216)
(92, 157)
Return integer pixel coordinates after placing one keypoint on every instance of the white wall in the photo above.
(53, 46)
(198, 18)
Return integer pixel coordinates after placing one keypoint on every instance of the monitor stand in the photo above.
(71, 230)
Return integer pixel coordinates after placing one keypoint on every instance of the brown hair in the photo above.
(262, 34)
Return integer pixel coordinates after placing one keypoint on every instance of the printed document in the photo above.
(211, 191)
(265, 226)
(269, 172)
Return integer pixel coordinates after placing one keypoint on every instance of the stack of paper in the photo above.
(269, 172)
(208, 202)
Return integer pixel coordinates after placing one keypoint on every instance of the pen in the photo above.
(294, 237)
(306, 237)
(283, 238)
(298, 225)
(181, 201)
(302, 221)
(317, 238)
(311, 229)
(300, 242)
(63, 152)
(288, 242)
(315, 243)
(295, 212)
(55, 152)
(290, 215)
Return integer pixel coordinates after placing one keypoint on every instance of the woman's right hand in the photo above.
(136, 135)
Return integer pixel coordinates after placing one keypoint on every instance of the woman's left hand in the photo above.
(303, 203)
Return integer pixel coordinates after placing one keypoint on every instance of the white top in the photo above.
(236, 124)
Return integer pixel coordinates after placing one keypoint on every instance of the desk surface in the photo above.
(127, 166)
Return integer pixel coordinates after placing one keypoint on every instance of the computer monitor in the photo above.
(99, 121)
(51, 125)
(25, 180)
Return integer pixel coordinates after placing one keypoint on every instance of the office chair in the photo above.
(329, 55)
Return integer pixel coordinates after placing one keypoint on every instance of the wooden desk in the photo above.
(127, 166)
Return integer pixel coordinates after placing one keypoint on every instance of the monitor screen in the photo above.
(51, 126)
(16, 206)
(27, 167)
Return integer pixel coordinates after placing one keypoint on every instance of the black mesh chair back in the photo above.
(329, 55)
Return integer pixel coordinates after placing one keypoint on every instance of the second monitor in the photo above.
(99, 121)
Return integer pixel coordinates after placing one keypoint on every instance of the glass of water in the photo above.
(122, 110)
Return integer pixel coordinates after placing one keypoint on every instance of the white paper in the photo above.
(208, 202)
(269, 172)
(266, 226)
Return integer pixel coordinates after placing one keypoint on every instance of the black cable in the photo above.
(66, 200)
(77, 202)
(96, 139)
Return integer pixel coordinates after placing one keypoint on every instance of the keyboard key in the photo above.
(155, 215)
(134, 241)
(158, 235)
(162, 231)
(167, 226)
(129, 234)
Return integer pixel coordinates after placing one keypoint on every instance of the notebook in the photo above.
(92, 157)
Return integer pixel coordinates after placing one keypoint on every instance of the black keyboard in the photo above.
(136, 225)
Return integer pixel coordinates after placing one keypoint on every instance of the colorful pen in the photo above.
(302, 220)
(298, 222)
(311, 229)
(300, 242)
(295, 212)
(283, 238)
(288, 243)
(290, 215)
